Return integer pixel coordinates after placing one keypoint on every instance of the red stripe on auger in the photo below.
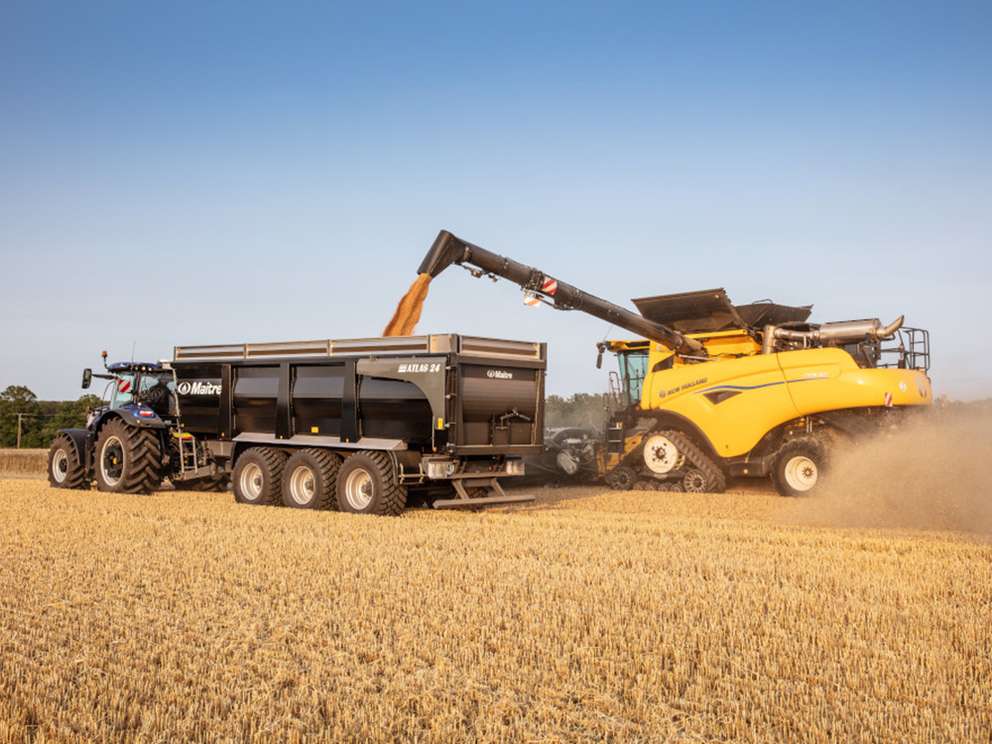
(550, 286)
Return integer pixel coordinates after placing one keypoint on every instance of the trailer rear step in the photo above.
(492, 486)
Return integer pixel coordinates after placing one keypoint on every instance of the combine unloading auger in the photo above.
(449, 249)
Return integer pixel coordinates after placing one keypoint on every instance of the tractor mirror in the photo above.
(599, 358)
(87, 378)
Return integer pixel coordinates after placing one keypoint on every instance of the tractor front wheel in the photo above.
(128, 459)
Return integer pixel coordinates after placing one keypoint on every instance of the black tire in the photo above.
(257, 476)
(214, 483)
(695, 481)
(800, 466)
(716, 481)
(128, 459)
(64, 468)
(309, 480)
(366, 484)
(621, 478)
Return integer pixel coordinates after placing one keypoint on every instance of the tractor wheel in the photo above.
(257, 476)
(309, 479)
(366, 484)
(213, 483)
(64, 468)
(800, 466)
(128, 459)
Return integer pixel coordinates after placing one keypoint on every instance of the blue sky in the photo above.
(224, 172)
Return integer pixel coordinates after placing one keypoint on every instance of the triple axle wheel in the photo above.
(363, 483)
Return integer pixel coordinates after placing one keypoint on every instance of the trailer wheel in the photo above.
(128, 459)
(367, 484)
(64, 468)
(800, 466)
(309, 479)
(257, 476)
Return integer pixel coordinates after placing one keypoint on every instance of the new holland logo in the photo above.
(499, 374)
(198, 387)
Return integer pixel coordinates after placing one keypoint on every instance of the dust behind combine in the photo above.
(928, 475)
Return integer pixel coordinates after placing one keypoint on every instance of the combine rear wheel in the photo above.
(257, 476)
(800, 465)
(309, 478)
(366, 484)
(128, 459)
(64, 468)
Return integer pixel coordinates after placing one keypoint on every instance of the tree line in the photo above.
(585, 410)
(40, 418)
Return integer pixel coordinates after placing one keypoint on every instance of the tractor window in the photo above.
(633, 368)
(157, 391)
(122, 392)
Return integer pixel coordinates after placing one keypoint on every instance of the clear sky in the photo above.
(223, 172)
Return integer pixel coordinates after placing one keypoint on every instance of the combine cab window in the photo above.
(633, 368)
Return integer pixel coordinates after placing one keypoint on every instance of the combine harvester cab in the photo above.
(350, 424)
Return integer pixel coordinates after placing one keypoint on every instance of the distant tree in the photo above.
(18, 394)
(43, 418)
(68, 414)
(586, 410)
(14, 400)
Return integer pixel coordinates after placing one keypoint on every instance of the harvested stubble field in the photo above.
(601, 616)
(23, 462)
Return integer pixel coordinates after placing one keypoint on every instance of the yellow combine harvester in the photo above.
(716, 390)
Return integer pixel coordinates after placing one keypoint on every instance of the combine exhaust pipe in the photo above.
(449, 249)
(834, 334)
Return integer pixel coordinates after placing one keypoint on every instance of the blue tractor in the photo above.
(133, 441)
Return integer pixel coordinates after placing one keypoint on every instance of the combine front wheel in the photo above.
(661, 455)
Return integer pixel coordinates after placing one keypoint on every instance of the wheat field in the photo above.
(596, 617)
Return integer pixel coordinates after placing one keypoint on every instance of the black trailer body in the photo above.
(450, 408)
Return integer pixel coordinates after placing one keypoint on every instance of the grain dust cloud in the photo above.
(931, 475)
(407, 314)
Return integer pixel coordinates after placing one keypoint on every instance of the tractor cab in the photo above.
(136, 385)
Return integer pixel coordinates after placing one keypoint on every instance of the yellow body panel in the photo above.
(741, 394)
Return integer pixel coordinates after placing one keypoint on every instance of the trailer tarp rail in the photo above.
(429, 344)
